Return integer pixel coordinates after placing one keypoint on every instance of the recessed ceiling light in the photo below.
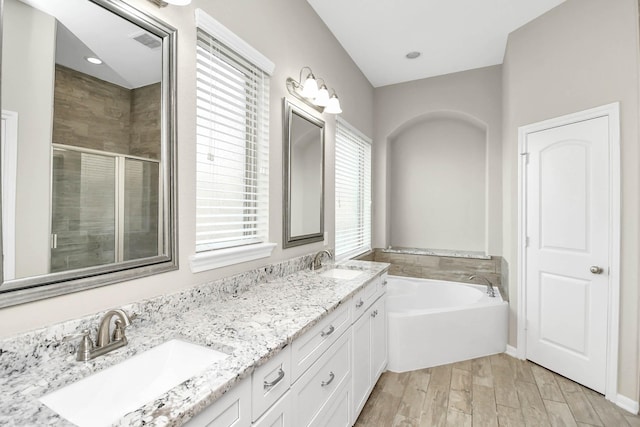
(93, 60)
(412, 55)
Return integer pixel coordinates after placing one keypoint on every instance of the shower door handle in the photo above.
(595, 269)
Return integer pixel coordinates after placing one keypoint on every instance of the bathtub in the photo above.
(432, 322)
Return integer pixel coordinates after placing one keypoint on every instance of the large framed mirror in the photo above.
(303, 177)
(88, 140)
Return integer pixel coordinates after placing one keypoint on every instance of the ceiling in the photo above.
(451, 35)
(86, 29)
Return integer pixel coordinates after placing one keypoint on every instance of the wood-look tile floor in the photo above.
(496, 390)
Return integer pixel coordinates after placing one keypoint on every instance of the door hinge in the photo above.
(526, 242)
(54, 241)
(526, 157)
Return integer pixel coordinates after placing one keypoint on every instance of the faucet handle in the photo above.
(118, 331)
(85, 347)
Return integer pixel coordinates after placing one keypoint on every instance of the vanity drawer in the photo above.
(319, 386)
(365, 297)
(307, 349)
(270, 381)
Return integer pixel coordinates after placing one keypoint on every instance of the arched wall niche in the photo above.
(438, 182)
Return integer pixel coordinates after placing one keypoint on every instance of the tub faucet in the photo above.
(105, 341)
(490, 290)
(317, 259)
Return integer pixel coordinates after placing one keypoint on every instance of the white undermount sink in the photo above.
(108, 395)
(341, 273)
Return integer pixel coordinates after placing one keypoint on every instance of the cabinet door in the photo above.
(378, 338)
(317, 387)
(361, 363)
(337, 413)
(279, 415)
(233, 409)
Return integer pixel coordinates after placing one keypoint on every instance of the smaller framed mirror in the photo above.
(303, 177)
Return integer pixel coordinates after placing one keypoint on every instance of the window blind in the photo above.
(232, 164)
(353, 191)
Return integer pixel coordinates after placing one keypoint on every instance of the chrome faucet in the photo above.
(317, 259)
(490, 290)
(105, 341)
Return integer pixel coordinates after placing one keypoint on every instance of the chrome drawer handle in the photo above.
(331, 377)
(359, 304)
(327, 333)
(269, 384)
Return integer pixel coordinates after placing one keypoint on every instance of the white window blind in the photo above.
(232, 165)
(353, 191)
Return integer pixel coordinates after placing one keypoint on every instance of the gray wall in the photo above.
(30, 94)
(474, 96)
(437, 182)
(291, 35)
(582, 54)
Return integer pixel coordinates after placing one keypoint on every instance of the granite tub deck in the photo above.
(251, 322)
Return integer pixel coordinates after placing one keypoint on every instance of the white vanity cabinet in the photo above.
(322, 379)
(369, 336)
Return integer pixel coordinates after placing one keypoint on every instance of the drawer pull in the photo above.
(328, 332)
(359, 304)
(331, 377)
(269, 384)
(374, 313)
(384, 283)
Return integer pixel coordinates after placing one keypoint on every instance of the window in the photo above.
(232, 163)
(353, 191)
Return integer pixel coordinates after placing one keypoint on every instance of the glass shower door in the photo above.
(83, 226)
(140, 237)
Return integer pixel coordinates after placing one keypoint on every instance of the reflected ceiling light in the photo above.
(93, 60)
(163, 3)
(312, 95)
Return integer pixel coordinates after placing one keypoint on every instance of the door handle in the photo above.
(595, 269)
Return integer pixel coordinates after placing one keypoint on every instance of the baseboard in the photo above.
(511, 351)
(627, 404)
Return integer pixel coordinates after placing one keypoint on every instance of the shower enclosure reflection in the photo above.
(104, 208)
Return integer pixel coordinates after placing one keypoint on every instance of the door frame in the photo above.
(612, 111)
(9, 174)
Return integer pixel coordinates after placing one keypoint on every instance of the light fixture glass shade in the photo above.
(333, 107)
(322, 98)
(310, 87)
(178, 2)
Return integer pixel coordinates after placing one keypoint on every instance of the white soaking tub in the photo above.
(433, 322)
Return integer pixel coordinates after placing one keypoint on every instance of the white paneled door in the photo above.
(567, 249)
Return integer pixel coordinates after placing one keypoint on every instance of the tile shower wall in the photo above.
(448, 268)
(112, 118)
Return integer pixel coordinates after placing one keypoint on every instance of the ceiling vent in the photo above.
(147, 39)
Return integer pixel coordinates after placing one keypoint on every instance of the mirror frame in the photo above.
(23, 290)
(288, 241)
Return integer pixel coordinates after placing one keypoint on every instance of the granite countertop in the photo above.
(251, 325)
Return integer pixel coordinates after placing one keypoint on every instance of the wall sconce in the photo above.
(313, 95)
(163, 3)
